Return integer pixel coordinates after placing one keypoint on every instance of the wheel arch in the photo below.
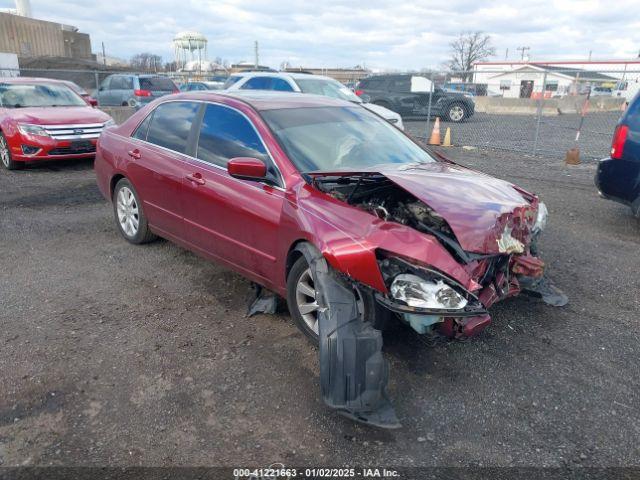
(112, 183)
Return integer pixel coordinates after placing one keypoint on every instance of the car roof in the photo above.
(19, 80)
(266, 99)
(294, 75)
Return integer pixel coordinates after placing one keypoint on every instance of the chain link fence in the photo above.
(532, 109)
(535, 110)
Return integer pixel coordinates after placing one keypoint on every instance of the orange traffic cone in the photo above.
(447, 138)
(435, 134)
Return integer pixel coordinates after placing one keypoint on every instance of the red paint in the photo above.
(463, 327)
(246, 168)
(76, 115)
(251, 227)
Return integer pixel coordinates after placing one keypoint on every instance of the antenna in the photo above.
(523, 50)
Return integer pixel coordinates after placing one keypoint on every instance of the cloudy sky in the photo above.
(392, 34)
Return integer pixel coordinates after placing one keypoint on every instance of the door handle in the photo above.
(135, 154)
(196, 178)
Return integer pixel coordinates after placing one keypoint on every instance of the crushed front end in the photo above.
(429, 299)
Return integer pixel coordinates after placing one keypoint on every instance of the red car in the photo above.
(326, 204)
(45, 120)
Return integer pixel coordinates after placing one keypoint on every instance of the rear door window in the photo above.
(141, 132)
(280, 85)
(400, 84)
(158, 84)
(171, 125)
(121, 83)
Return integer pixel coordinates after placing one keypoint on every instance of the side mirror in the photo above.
(365, 98)
(92, 101)
(247, 168)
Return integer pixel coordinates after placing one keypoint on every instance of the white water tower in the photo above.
(189, 47)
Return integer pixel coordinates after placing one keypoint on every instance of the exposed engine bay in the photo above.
(381, 197)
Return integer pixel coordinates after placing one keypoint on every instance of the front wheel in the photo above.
(129, 214)
(5, 155)
(456, 113)
(303, 304)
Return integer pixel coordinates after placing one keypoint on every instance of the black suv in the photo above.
(409, 95)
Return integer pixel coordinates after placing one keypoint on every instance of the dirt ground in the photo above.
(113, 354)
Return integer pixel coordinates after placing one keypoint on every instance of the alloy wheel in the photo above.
(456, 113)
(127, 209)
(4, 152)
(307, 302)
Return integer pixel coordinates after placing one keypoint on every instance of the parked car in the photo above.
(133, 90)
(82, 92)
(45, 120)
(326, 204)
(409, 95)
(306, 83)
(618, 176)
(203, 85)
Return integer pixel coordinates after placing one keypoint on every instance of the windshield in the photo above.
(340, 138)
(22, 95)
(328, 88)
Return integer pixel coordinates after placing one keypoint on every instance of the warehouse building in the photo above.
(28, 37)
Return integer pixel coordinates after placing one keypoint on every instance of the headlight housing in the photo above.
(29, 129)
(420, 293)
(541, 219)
(109, 123)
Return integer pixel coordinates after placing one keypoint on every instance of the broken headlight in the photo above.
(541, 219)
(420, 293)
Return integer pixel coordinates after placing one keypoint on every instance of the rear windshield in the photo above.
(328, 88)
(163, 84)
(22, 95)
(231, 80)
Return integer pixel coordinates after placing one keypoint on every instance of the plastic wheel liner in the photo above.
(353, 372)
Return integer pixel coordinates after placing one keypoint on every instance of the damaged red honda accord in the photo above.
(330, 206)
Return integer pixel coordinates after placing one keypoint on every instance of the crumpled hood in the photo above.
(58, 115)
(476, 206)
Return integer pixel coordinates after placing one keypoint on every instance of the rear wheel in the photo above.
(302, 300)
(5, 155)
(129, 214)
(456, 113)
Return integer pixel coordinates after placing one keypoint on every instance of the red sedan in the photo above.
(44, 119)
(326, 204)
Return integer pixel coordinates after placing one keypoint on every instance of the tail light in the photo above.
(359, 92)
(619, 139)
(142, 93)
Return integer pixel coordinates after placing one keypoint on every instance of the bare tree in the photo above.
(467, 49)
(146, 61)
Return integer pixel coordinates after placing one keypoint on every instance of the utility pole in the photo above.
(104, 56)
(523, 50)
(506, 53)
(257, 56)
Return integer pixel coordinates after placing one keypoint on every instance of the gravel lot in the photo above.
(517, 133)
(112, 354)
